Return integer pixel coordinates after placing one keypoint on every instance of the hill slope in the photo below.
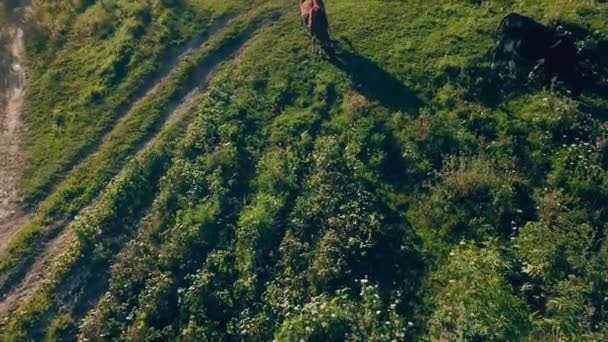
(195, 173)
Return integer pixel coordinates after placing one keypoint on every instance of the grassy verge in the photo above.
(83, 75)
(400, 190)
(113, 209)
(85, 182)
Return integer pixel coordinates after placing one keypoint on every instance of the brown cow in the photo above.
(315, 21)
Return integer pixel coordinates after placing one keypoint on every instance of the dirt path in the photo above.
(11, 157)
(193, 88)
(33, 278)
(150, 86)
(11, 219)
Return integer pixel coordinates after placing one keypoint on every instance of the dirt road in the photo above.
(11, 156)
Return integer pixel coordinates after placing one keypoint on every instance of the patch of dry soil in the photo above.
(11, 156)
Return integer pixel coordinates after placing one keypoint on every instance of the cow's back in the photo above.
(517, 26)
(528, 39)
(306, 8)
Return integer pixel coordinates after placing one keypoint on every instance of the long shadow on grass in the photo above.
(376, 83)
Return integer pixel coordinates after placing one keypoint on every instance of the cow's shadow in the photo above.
(493, 86)
(593, 60)
(376, 83)
(490, 86)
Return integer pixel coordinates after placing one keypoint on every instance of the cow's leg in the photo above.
(321, 50)
(512, 69)
(552, 71)
(539, 64)
(550, 79)
(504, 49)
(575, 82)
(572, 76)
(498, 52)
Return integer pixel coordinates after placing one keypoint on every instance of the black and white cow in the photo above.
(523, 39)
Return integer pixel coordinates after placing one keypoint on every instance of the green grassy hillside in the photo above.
(196, 174)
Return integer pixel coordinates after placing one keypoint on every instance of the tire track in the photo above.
(194, 86)
(150, 86)
(24, 290)
(9, 229)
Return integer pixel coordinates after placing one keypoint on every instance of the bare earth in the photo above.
(24, 289)
(32, 280)
(11, 158)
